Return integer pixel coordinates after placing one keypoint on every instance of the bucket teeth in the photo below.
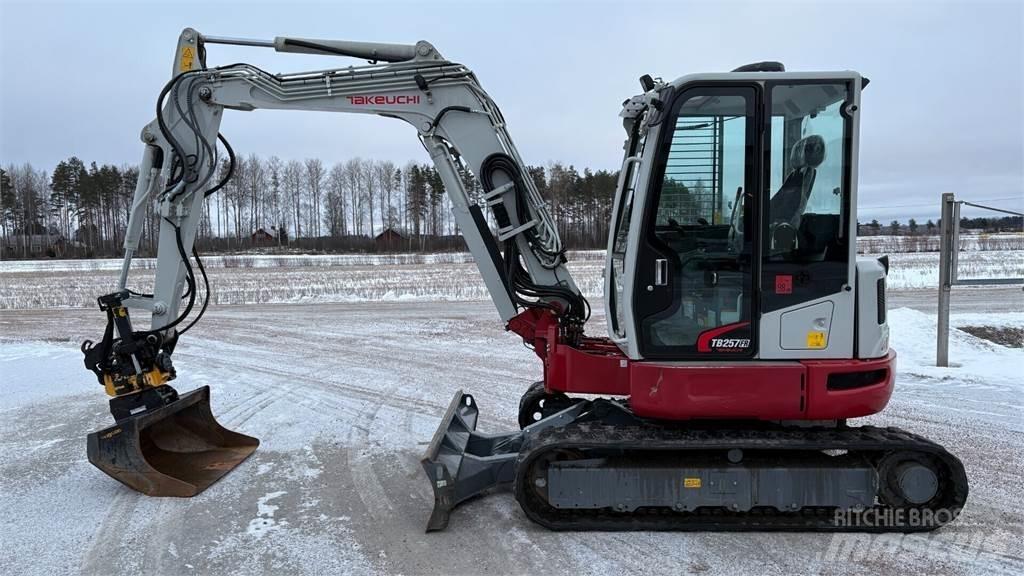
(176, 450)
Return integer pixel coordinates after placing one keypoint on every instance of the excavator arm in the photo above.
(458, 124)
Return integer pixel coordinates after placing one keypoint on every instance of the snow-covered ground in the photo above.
(372, 278)
(275, 279)
(921, 270)
(345, 397)
(970, 240)
(266, 261)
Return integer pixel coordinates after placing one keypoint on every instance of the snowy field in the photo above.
(346, 395)
(275, 279)
(373, 278)
(345, 398)
(969, 240)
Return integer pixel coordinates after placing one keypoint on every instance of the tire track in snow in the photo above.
(370, 490)
(111, 530)
(376, 485)
(243, 411)
(309, 386)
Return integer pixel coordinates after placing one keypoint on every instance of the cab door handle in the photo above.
(661, 272)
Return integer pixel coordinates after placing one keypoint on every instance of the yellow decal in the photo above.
(691, 482)
(155, 378)
(111, 434)
(816, 339)
(186, 58)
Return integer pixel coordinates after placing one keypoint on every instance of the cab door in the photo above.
(809, 255)
(693, 293)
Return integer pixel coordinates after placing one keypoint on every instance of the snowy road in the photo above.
(345, 397)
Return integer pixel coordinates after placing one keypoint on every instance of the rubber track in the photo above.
(874, 442)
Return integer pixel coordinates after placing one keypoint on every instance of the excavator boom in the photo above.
(462, 130)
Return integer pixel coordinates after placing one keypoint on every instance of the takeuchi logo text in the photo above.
(382, 100)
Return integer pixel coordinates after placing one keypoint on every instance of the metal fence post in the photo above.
(954, 245)
(946, 248)
(949, 254)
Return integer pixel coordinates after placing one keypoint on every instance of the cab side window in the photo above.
(805, 217)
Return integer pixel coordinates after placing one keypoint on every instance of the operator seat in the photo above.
(788, 205)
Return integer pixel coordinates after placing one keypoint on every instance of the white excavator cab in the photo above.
(732, 236)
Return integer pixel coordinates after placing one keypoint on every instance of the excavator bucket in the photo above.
(176, 450)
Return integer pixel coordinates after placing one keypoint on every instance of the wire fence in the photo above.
(949, 250)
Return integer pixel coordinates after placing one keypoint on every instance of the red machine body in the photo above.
(740, 390)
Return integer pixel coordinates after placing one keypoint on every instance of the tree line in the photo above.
(81, 210)
(914, 228)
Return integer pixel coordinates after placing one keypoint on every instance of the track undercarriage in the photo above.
(594, 465)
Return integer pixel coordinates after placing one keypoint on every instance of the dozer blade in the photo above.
(176, 450)
(462, 463)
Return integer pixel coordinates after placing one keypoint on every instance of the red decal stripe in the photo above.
(704, 340)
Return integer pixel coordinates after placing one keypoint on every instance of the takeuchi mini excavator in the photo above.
(743, 330)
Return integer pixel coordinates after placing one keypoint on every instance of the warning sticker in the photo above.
(816, 339)
(783, 283)
(691, 482)
(187, 56)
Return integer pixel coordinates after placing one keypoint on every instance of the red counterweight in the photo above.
(741, 389)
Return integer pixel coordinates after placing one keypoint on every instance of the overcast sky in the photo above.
(944, 111)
